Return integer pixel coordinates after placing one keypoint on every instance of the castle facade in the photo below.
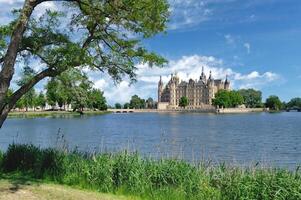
(200, 93)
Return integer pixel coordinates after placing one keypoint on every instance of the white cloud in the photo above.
(10, 2)
(6, 6)
(229, 39)
(186, 67)
(101, 84)
(187, 13)
(248, 47)
(120, 93)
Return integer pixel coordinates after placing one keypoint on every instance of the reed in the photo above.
(130, 174)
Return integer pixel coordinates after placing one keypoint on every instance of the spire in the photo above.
(203, 76)
(210, 75)
(226, 79)
(160, 81)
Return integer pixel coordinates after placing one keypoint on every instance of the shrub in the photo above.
(21, 157)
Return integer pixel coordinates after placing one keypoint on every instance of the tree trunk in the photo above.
(9, 59)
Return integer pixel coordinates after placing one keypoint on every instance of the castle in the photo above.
(199, 92)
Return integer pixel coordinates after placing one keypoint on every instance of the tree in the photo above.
(20, 103)
(126, 106)
(273, 102)
(252, 98)
(136, 102)
(294, 103)
(70, 87)
(183, 102)
(41, 100)
(222, 99)
(80, 93)
(105, 41)
(118, 106)
(73, 87)
(96, 100)
(51, 95)
(235, 99)
(227, 99)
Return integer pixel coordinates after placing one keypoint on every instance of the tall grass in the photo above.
(130, 174)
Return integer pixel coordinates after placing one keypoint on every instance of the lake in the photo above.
(241, 139)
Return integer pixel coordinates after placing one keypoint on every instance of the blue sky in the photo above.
(255, 42)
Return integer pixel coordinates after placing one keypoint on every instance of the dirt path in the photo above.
(35, 191)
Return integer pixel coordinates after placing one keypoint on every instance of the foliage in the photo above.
(51, 92)
(227, 99)
(96, 100)
(294, 103)
(20, 103)
(73, 87)
(8, 94)
(41, 100)
(80, 94)
(30, 96)
(137, 102)
(252, 98)
(126, 106)
(118, 106)
(130, 174)
(183, 102)
(273, 102)
(235, 99)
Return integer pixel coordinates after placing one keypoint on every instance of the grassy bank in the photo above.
(130, 174)
(32, 114)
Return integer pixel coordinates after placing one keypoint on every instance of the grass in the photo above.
(131, 175)
(32, 114)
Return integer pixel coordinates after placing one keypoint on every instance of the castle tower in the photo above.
(203, 76)
(227, 84)
(211, 89)
(172, 92)
(210, 80)
(160, 89)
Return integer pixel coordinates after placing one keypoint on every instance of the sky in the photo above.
(255, 42)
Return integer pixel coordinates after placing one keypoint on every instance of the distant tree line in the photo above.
(138, 103)
(70, 88)
(252, 98)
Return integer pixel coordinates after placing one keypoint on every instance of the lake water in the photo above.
(243, 139)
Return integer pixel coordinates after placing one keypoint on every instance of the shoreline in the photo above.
(181, 110)
(16, 114)
(32, 114)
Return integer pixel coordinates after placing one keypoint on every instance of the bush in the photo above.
(30, 159)
(21, 157)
